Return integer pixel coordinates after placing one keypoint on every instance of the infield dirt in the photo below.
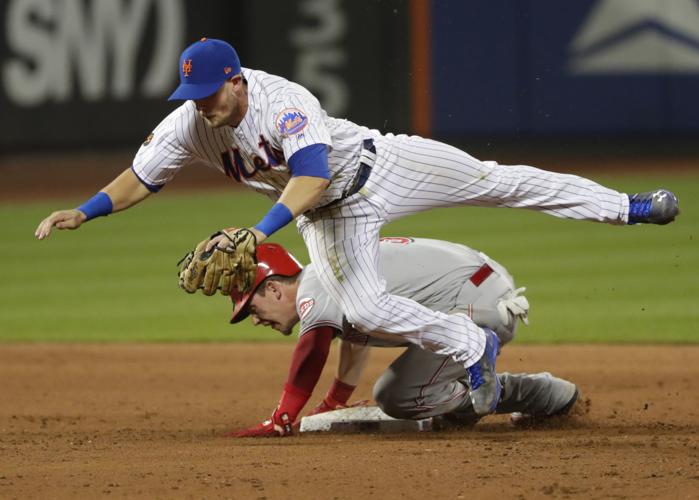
(146, 421)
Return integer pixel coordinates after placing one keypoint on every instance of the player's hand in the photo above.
(516, 306)
(223, 243)
(220, 241)
(277, 426)
(229, 262)
(329, 404)
(63, 219)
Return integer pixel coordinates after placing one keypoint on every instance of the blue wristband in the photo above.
(278, 217)
(100, 204)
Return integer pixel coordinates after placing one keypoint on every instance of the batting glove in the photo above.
(517, 306)
(278, 426)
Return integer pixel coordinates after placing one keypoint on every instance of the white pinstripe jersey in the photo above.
(437, 273)
(282, 117)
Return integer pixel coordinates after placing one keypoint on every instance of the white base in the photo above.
(361, 419)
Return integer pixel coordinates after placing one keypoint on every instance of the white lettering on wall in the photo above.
(63, 49)
(320, 53)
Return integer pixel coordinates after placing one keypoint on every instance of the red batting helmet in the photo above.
(272, 260)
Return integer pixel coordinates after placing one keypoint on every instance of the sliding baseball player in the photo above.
(437, 274)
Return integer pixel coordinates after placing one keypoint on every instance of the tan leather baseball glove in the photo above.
(231, 264)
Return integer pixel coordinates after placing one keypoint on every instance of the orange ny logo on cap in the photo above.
(187, 67)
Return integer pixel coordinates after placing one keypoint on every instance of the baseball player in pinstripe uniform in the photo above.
(342, 182)
(442, 276)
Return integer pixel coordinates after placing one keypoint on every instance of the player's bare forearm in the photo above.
(303, 193)
(123, 192)
(126, 190)
(353, 359)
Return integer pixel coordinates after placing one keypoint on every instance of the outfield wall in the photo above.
(90, 74)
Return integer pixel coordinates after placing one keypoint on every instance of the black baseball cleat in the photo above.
(565, 409)
(576, 407)
(654, 207)
(454, 422)
(484, 383)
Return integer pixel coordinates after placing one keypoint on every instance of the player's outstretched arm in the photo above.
(353, 359)
(63, 219)
(310, 177)
(126, 190)
(300, 194)
(307, 363)
(123, 192)
(303, 193)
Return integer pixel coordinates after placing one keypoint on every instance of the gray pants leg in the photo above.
(421, 384)
(534, 394)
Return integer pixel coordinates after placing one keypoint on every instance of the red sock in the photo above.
(340, 392)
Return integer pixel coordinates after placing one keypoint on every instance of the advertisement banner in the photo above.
(92, 73)
(550, 67)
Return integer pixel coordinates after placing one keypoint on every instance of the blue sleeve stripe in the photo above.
(150, 187)
(311, 161)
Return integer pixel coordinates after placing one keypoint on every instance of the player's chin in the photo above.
(213, 121)
(219, 121)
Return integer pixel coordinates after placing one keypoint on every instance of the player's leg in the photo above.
(528, 398)
(343, 245)
(344, 251)
(421, 384)
(414, 174)
(537, 395)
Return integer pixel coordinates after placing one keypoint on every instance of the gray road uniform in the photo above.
(445, 277)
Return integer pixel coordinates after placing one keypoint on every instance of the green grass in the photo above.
(115, 279)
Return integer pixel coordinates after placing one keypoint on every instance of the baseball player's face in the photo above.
(226, 106)
(275, 309)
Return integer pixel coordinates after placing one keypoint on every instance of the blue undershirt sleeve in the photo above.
(311, 161)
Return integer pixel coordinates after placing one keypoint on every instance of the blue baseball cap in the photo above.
(204, 66)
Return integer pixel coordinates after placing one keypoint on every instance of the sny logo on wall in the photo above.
(88, 49)
(637, 36)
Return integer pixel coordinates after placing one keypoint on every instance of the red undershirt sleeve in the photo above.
(307, 364)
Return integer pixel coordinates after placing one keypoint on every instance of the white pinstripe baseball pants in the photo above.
(412, 174)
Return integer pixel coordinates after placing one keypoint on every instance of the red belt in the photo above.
(481, 275)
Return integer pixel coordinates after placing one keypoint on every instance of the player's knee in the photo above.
(382, 389)
(392, 407)
(387, 395)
